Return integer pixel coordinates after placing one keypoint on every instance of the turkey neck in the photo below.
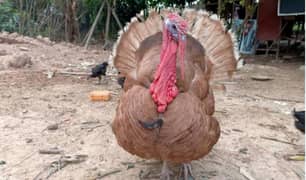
(163, 88)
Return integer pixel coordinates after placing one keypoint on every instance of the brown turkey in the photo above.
(170, 64)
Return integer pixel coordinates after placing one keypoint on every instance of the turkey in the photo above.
(170, 64)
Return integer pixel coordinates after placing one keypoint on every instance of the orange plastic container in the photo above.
(100, 95)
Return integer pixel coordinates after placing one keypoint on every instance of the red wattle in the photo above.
(163, 88)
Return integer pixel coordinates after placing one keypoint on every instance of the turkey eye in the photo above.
(173, 26)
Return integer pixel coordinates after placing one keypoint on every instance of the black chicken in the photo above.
(300, 120)
(98, 71)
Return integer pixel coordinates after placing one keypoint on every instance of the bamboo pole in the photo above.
(219, 7)
(115, 15)
(109, 9)
(94, 24)
(117, 19)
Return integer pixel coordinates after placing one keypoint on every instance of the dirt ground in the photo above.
(250, 114)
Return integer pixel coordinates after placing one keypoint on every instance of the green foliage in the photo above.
(126, 9)
(169, 3)
(47, 17)
(8, 17)
(91, 7)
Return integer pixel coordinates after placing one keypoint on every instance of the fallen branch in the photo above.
(143, 162)
(93, 127)
(221, 111)
(24, 159)
(69, 73)
(55, 166)
(226, 133)
(246, 174)
(295, 157)
(50, 151)
(258, 97)
(94, 25)
(74, 73)
(277, 140)
(237, 130)
(91, 122)
(279, 99)
(108, 173)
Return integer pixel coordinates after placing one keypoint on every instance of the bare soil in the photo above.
(255, 116)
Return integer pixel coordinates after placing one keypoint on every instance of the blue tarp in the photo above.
(246, 35)
(291, 7)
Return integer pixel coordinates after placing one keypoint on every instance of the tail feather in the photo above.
(219, 44)
(190, 15)
(129, 41)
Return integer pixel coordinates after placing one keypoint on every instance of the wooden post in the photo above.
(67, 20)
(94, 25)
(115, 15)
(116, 18)
(75, 22)
(219, 7)
(109, 11)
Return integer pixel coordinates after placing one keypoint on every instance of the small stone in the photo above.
(29, 140)
(24, 48)
(287, 57)
(243, 150)
(6, 96)
(20, 61)
(3, 52)
(5, 33)
(47, 40)
(2, 162)
(50, 74)
(302, 68)
(14, 35)
(25, 97)
(52, 127)
(24, 111)
(129, 166)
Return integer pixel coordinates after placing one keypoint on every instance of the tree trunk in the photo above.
(67, 20)
(75, 25)
(21, 24)
(72, 33)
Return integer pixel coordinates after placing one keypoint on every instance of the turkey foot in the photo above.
(165, 172)
(186, 172)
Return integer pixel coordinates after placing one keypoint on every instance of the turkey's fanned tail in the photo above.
(219, 44)
(129, 41)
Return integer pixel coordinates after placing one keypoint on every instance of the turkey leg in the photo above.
(186, 172)
(165, 172)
